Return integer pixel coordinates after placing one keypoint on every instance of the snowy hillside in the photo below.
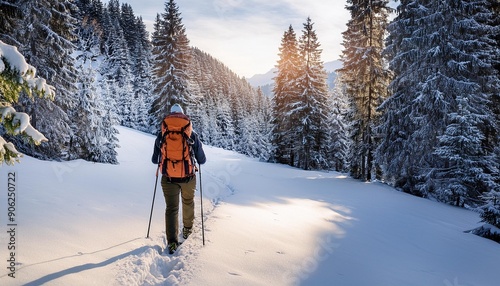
(80, 223)
(267, 78)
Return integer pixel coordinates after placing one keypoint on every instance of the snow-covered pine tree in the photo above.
(468, 168)
(313, 111)
(128, 25)
(95, 11)
(246, 121)
(285, 100)
(439, 54)
(11, 15)
(493, 20)
(466, 148)
(157, 70)
(45, 34)
(139, 47)
(116, 70)
(396, 155)
(224, 130)
(264, 126)
(490, 207)
(92, 142)
(436, 56)
(365, 77)
(195, 109)
(171, 55)
(247, 138)
(240, 109)
(245, 113)
(227, 105)
(490, 210)
(142, 85)
(340, 128)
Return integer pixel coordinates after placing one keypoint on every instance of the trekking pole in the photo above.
(153, 203)
(201, 204)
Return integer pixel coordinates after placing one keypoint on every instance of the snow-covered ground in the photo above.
(81, 223)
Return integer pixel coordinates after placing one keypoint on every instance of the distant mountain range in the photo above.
(265, 81)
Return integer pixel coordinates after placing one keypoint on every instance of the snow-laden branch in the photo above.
(22, 121)
(8, 152)
(11, 57)
(17, 75)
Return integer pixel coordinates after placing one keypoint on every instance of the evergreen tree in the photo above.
(469, 168)
(195, 109)
(92, 139)
(340, 129)
(139, 50)
(45, 34)
(128, 24)
(490, 207)
(395, 154)
(117, 67)
(441, 56)
(224, 130)
(490, 211)
(493, 20)
(142, 84)
(171, 55)
(11, 14)
(312, 113)
(286, 97)
(264, 127)
(157, 71)
(467, 145)
(365, 77)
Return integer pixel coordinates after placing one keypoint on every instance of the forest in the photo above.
(415, 105)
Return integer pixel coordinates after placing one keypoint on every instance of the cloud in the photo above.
(246, 35)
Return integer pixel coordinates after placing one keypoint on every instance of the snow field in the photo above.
(82, 223)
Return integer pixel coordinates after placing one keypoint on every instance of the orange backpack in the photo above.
(177, 161)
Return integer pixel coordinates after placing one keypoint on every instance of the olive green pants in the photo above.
(171, 192)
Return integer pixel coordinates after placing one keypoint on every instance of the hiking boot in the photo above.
(172, 247)
(186, 232)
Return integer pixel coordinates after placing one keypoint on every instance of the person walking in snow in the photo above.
(175, 149)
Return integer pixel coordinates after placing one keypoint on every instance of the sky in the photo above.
(246, 35)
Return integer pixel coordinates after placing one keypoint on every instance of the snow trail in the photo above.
(81, 223)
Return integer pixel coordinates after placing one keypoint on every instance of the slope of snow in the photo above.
(81, 223)
(267, 78)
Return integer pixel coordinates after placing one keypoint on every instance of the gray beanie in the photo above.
(176, 108)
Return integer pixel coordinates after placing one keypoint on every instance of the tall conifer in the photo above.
(441, 55)
(286, 94)
(312, 110)
(365, 78)
(171, 55)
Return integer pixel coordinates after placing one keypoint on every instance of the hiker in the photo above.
(174, 148)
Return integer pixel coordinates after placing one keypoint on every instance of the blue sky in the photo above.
(246, 34)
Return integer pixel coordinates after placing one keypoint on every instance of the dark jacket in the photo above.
(199, 154)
